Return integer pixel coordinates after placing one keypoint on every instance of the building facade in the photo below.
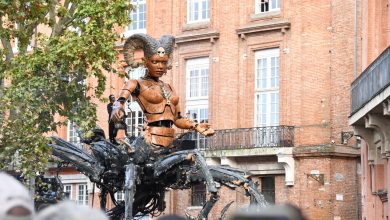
(273, 78)
(370, 93)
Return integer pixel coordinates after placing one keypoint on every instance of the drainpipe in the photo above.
(355, 41)
(357, 208)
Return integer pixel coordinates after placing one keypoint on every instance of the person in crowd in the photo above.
(112, 131)
(272, 212)
(171, 217)
(69, 210)
(16, 202)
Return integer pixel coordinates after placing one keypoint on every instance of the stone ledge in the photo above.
(243, 152)
(277, 24)
(326, 150)
(265, 15)
(209, 35)
(196, 26)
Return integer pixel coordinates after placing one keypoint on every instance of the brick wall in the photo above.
(316, 69)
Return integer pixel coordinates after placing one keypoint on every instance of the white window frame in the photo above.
(74, 139)
(200, 102)
(191, 13)
(135, 118)
(197, 108)
(84, 200)
(274, 5)
(198, 64)
(71, 190)
(267, 85)
(120, 196)
(129, 29)
(135, 115)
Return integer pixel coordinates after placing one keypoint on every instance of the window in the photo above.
(268, 188)
(82, 194)
(134, 120)
(197, 71)
(135, 115)
(198, 194)
(138, 18)
(135, 73)
(73, 136)
(199, 114)
(267, 88)
(120, 196)
(267, 5)
(197, 78)
(266, 97)
(198, 10)
(68, 191)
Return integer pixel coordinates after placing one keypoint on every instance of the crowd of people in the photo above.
(16, 203)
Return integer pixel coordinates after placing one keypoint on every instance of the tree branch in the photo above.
(66, 4)
(6, 43)
(69, 19)
(22, 45)
(63, 22)
(52, 12)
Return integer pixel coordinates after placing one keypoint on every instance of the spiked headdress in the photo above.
(149, 45)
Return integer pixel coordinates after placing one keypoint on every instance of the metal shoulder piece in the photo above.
(131, 87)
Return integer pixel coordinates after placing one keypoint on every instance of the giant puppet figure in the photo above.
(155, 161)
(157, 99)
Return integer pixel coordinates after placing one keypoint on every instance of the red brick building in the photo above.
(370, 93)
(273, 78)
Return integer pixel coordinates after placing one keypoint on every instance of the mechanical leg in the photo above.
(180, 156)
(208, 206)
(103, 199)
(201, 163)
(130, 181)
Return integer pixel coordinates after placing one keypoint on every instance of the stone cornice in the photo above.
(278, 24)
(326, 150)
(199, 36)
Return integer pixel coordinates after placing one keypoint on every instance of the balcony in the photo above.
(372, 82)
(246, 138)
(260, 150)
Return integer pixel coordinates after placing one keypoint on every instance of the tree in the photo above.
(60, 44)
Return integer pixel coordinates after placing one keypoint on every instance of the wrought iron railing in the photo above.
(243, 138)
(374, 79)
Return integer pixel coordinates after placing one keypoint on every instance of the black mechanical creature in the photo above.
(145, 167)
(144, 174)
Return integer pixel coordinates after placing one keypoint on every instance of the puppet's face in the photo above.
(157, 65)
